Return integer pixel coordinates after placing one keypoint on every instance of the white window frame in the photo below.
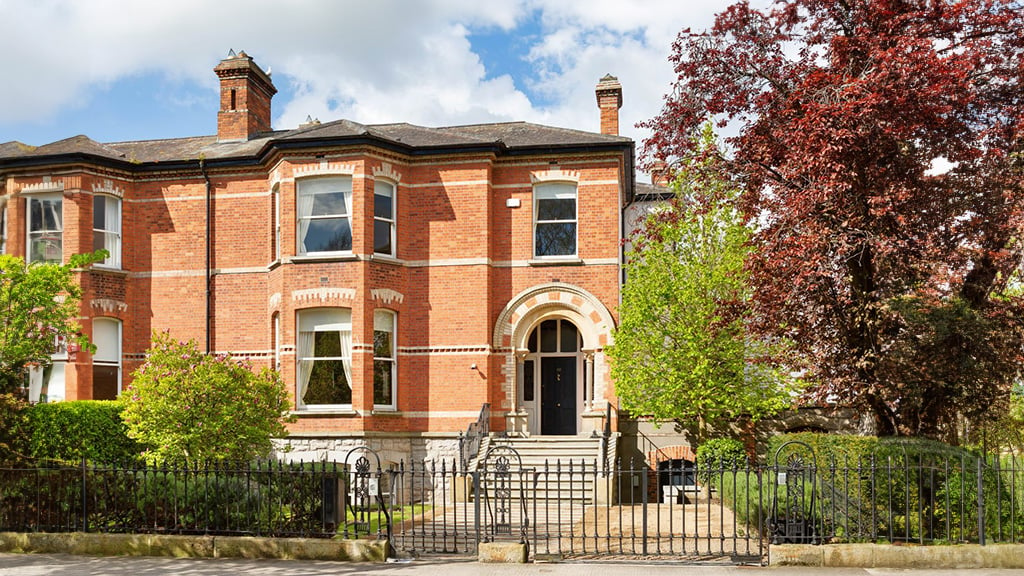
(341, 325)
(276, 193)
(275, 321)
(117, 353)
(381, 318)
(53, 380)
(391, 220)
(59, 234)
(111, 235)
(558, 190)
(321, 185)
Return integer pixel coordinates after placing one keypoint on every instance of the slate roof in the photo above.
(506, 135)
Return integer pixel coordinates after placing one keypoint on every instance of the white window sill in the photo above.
(110, 269)
(385, 411)
(326, 257)
(385, 258)
(556, 261)
(312, 412)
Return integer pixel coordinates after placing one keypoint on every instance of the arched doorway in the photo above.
(552, 389)
(554, 335)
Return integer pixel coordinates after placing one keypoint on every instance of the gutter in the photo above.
(209, 251)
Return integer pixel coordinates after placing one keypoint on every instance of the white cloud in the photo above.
(381, 61)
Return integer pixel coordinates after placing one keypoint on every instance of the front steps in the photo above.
(550, 468)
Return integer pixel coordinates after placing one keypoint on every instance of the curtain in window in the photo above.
(305, 211)
(346, 354)
(112, 228)
(305, 354)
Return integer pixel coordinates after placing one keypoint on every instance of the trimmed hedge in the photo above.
(92, 429)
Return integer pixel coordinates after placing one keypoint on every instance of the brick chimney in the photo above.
(609, 100)
(245, 94)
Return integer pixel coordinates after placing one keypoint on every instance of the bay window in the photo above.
(383, 359)
(45, 228)
(324, 206)
(106, 361)
(324, 353)
(383, 218)
(106, 228)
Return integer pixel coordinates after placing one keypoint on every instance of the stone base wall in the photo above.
(392, 450)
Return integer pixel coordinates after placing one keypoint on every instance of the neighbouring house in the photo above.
(400, 277)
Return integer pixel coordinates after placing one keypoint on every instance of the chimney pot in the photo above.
(245, 95)
(609, 100)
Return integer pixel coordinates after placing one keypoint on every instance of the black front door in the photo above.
(558, 396)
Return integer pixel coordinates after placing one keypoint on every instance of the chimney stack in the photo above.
(609, 100)
(245, 94)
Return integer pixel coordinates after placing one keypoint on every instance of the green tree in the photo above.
(682, 350)
(188, 407)
(38, 306)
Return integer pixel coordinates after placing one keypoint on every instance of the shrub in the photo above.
(91, 429)
(189, 407)
(721, 453)
(14, 429)
(895, 488)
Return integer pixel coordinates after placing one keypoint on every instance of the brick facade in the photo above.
(464, 259)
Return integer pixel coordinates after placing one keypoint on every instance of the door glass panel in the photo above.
(528, 381)
(570, 337)
(549, 336)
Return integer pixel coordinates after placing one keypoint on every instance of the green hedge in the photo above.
(83, 428)
(902, 489)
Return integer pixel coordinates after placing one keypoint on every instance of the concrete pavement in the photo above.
(68, 565)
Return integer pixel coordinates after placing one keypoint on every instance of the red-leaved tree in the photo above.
(881, 145)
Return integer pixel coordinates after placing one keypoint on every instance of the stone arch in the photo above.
(553, 300)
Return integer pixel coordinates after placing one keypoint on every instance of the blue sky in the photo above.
(119, 70)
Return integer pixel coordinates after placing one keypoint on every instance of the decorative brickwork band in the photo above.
(555, 174)
(108, 305)
(386, 296)
(325, 168)
(108, 188)
(322, 295)
(386, 171)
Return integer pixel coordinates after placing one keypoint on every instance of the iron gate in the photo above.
(575, 510)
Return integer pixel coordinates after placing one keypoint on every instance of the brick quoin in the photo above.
(464, 232)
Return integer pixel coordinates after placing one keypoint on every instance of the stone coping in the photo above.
(892, 556)
(90, 544)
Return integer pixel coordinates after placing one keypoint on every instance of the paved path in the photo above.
(66, 565)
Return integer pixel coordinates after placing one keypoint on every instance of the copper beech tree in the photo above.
(880, 144)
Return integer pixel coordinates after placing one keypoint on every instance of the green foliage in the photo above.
(903, 488)
(956, 502)
(721, 453)
(14, 428)
(38, 305)
(189, 407)
(1006, 433)
(91, 429)
(682, 350)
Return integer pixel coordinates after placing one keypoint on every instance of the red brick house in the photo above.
(399, 277)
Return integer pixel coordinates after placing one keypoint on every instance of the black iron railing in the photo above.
(569, 508)
(260, 499)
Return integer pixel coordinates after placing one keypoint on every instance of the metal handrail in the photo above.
(469, 442)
